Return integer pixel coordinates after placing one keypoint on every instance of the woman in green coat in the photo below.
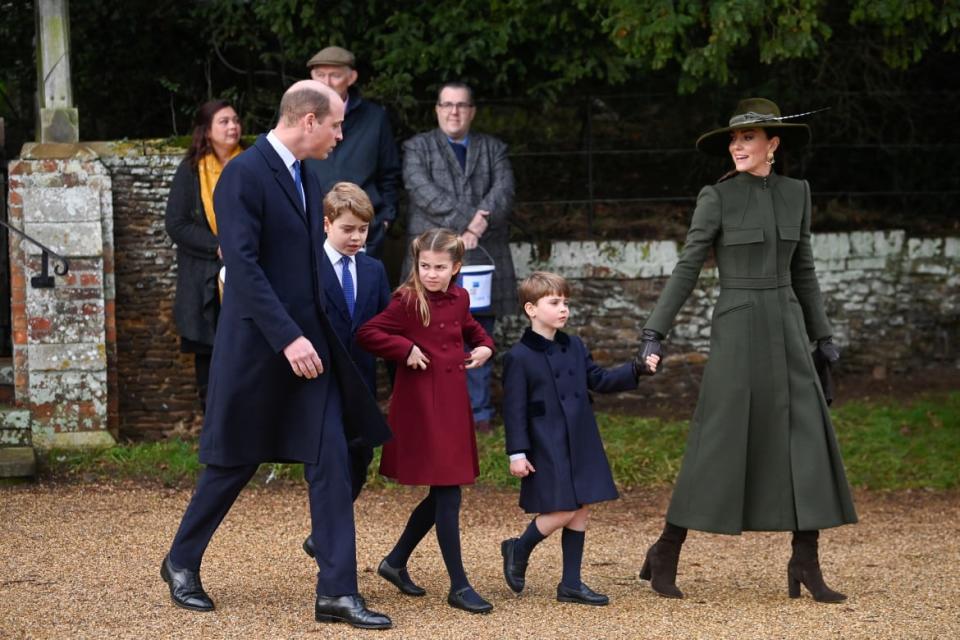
(761, 454)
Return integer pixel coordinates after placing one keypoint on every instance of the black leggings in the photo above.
(440, 507)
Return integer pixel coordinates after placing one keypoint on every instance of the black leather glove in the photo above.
(829, 351)
(649, 346)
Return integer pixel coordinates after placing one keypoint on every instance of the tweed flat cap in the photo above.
(333, 56)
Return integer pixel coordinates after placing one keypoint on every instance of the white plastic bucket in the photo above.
(477, 279)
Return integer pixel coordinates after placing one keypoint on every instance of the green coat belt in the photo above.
(761, 453)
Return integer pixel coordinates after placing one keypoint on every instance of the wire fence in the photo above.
(610, 166)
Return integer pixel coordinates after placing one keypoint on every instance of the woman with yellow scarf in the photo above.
(191, 223)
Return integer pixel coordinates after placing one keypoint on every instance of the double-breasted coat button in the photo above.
(442, 325)
(460, 366)
(449, 369)
(558, 375)
(444, 347)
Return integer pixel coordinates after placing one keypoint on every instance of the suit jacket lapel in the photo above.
(282, 175)
(473, 155)
(446, 152)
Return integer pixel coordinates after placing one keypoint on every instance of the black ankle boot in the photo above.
(660, 565)
(804, 567)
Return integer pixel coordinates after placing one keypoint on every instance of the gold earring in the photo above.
(770, 158)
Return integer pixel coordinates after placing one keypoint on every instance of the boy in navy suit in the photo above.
(355, 289)
(552, 437)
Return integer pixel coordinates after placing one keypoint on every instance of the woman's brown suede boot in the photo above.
(804, 566)
(660, 565)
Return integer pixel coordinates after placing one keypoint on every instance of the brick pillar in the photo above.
(64, 338)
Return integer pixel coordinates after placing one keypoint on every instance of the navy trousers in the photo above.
(478, 380)
(331, 508)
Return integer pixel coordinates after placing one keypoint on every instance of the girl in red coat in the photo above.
(433, 443)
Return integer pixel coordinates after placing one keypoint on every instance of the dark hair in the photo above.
(202, 123)
(456, 84)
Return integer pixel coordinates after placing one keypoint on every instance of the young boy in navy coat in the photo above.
(552, 437)
(355, 289)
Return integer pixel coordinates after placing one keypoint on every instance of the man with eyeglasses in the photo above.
(462, 180)
(368, 154)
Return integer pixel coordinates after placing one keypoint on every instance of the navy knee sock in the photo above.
(530, 538)
(572, 544)
(419, 524)
(448, 534)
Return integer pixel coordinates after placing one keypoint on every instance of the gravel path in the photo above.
(82, 562)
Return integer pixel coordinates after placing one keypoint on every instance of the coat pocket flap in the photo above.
(789, 233)
(742, 236)
(536, 409)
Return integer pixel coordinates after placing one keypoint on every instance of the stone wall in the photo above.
(894, 300)
(157, 392)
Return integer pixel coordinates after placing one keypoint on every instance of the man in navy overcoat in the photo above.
(280, 379)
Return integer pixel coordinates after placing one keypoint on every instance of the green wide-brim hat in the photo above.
(755, 113)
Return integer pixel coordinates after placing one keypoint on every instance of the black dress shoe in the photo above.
(514, 571)
(185, 588)
(400, 579)
(583, 595)
(350, 609)
(456, 600)
(308, 547)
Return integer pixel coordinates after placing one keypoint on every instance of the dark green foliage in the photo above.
(140, 67)
(706, 41)
(621, 87)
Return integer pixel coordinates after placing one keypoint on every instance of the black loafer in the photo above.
(350, 609)
(514, 571)
(308, 547)
(583, 595)
(400, 579)
(186, 590)
(457, 601)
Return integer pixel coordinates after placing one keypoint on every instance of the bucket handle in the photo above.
(487, 253)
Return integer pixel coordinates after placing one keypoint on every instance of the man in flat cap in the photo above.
(368, 154)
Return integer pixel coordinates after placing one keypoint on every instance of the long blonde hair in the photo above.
(439, 240)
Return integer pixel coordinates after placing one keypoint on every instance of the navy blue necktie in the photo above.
(299, 184)
(348, 293)
(460, 150)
